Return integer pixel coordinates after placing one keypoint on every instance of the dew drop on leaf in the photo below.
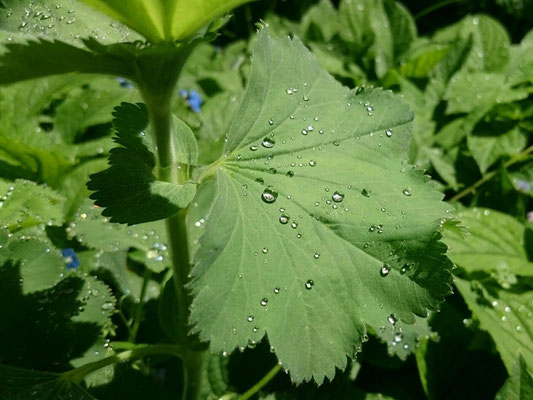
(264, 301)
(276, 290)
(312, 163)
(337, 197)
(290, 174)
(316, 256)
(406, 192)
(392, 319)
(366, 192)
(269, 195)
(388, 132)
(268, 143)
(294, 225)
(284, 219)
(385, 270)
(253, 148)
(250, 318)
(309, 284)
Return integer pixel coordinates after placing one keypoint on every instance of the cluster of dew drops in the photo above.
(42, 19)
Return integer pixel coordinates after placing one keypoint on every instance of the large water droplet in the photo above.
(268, 142)
(284, 219)
(269, 195)
(385, 270)
(337, 197)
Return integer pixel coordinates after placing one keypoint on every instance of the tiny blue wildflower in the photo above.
(522, 185)
(71, 258)
(125, 83)
(193, 98)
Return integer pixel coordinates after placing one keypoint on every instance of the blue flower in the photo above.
(71, 258)
(125, 83)
(193, 98)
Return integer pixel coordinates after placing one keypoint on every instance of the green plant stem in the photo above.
(139, 309)
(159, 107)
(78, 374)
(259, 385)
(490, 175)
(435, 7)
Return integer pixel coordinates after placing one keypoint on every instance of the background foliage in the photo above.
(81, 281)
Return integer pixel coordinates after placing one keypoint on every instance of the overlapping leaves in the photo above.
(316, 210)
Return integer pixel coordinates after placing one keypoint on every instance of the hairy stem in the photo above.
(490, 175)
(78, 374)
(262, 383)
(159, 107)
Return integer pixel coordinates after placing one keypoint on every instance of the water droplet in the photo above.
(253, 148)
(337, 197)
(388, 132)
(107, 306)
(406, 192)
(272, 170)
(309, 284)
(270, 122)
(264, 301)
(316, 256)
(265, 250)
(385, 270)
(366, 192)
(284, 219)
(294, 224)
(268, 142)
(312, 163)
(290, 174)
(276, 290)
(250, 318)
(398, 337)
(269, 195)
(306, 98)
(304, 132)
(392, 319)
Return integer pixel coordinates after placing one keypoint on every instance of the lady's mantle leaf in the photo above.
(128, 189)
(319, 226)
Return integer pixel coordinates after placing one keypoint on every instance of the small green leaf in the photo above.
(97, 232)
(519, 385)
(316, 210)
(22, 384)
(41, 265)
(128, 189)
(505, 315)
(487, 149)
(495, 244)
(24, 204)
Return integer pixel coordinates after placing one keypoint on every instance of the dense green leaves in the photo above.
(313, 192)
(128, 189)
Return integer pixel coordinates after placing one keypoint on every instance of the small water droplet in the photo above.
(392, 319)
(309, 284)
(388, 132)
(254, 148)
(276, 290)
(406, 192)
(312, 163)
(294, 224)
(270, 122)
(250, 318)
(264, 301)
(265, 250)
(284, 219)
(316, 256)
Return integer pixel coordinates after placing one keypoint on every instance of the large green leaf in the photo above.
(164, 20)
(519, 385)
(128, 189)
(316, 210)
(507, 315)
(495, 244)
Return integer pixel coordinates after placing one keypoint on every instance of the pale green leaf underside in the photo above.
(495, 243)
(388, 216)
(164, 20)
